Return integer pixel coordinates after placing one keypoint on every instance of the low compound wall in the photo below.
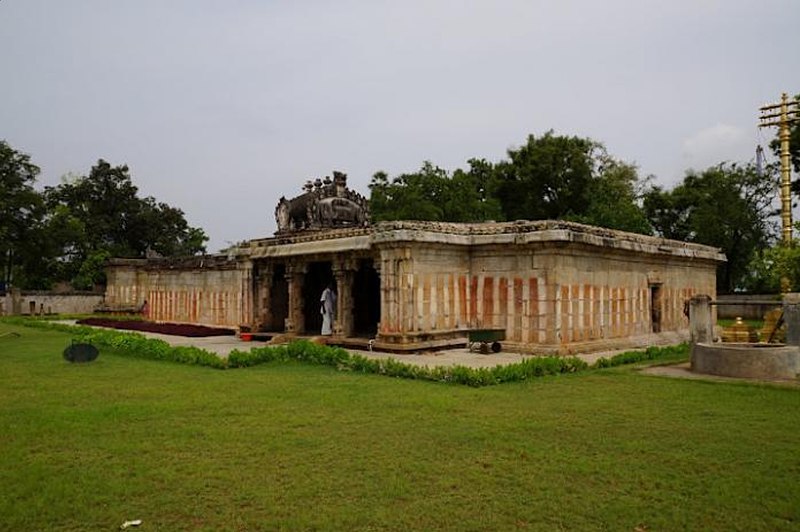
(208, 290)
(745, 306)
(43, 302)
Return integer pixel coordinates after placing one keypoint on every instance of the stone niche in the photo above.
(325, 204)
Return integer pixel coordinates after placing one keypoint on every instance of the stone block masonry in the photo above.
(553, 286)
(211, 291)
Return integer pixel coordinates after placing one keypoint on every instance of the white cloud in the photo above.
(716, 144)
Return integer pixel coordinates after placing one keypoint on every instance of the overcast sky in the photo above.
(220, 108)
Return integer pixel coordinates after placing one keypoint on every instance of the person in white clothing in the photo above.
(328, 309)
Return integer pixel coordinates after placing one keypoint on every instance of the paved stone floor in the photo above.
(682, 371)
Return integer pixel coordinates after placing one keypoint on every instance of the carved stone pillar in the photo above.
(246, 311)
(378, 265)
(263, 310)
(406, 291)
(295, 277)
(343, 274)
(388, 294)
(397, 303)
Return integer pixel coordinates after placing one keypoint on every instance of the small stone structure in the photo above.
(553, 286)
(747, 360)
(744, 359)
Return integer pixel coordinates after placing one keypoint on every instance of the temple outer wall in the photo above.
(209, 291)
(553, 287)
(564, 292)
(424, 293)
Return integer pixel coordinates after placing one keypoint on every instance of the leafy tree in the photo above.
(614, 196)
(553, 177)
(101, 215)
(21, 211)
(548, 178)
(771, 266)
(472, 194)
(727, 206)
(431, 194)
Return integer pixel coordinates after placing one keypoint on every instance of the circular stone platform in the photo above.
(747, 360)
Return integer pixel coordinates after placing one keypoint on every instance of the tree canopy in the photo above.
(432, 194)
(21, 211)
(549, 177)
(66, 232)
(728, 206)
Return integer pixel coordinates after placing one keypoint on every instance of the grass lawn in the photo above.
(297, 447)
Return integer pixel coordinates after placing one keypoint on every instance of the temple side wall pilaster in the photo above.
(295, 277)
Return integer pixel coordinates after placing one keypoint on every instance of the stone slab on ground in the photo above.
(683, 371)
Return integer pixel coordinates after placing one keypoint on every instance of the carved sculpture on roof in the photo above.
(324, 204)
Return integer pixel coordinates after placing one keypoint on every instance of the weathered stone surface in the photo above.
(750, 361)
(553, 286)
(45, 302)
(204, 290)
(324, 205)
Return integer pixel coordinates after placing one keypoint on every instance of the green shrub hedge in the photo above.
(137, 345)
(673, 352)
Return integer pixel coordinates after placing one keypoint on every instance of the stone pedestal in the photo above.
(701, 324)
(791, 316)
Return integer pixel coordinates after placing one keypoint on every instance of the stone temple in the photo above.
(553, 286)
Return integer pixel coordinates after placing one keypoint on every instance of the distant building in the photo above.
(552, 286)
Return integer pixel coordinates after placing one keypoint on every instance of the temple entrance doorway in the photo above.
(366, 300)
(279, 300)
(655, 307)
(318, 276)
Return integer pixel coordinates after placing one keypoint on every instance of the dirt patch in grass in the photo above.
(174, 329)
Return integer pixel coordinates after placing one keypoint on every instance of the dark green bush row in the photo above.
(134, 344)
(344, 361)
(126, 343)
(673, 352)
(137, 345)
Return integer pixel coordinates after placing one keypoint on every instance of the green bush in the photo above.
(137, 345)
(673, 352)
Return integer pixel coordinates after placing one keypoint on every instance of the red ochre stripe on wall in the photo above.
(426, 318)
(518, 309)
(488, 302)
(502, 304)
(564, 325)
(462, 292)
(473, 302)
